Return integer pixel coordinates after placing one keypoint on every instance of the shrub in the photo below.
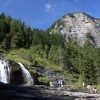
(43, 79)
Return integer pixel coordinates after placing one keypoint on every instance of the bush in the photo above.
(43, 79)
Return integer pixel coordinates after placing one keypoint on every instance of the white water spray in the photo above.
(27, 76)
(4, 71)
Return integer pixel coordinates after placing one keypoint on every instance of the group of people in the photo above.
(58, 83)
(94, 90)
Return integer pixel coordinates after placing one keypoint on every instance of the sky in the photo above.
(43, 13)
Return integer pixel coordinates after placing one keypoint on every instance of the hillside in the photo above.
(51, 56)
(80, 27)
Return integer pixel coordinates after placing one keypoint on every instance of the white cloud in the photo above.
(48, 7)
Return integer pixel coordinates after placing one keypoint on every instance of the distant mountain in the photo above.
(80, 27)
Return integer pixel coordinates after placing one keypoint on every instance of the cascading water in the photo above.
(27, 76)
(8, 74)
(4, 71)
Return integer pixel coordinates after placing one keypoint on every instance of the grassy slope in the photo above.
(23, 55)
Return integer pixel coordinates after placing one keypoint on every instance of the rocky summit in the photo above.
(79, 27)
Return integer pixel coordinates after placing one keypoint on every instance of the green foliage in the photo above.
(15, 66)
(78, 84)
(43, 79)
(89, 72)
(17, 34)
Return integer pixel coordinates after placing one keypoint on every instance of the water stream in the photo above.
(5, 71)
(27, 76)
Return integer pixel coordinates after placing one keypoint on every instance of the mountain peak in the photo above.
(79, 14)
(77, 26)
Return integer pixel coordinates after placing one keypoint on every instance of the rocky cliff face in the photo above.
(77, 26)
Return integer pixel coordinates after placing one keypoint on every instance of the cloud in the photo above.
(6, 4)
(50, 7)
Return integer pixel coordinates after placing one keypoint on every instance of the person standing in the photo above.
(59, 83)
(89, 88)
(50, 84)
(83, 84)
(95, 90)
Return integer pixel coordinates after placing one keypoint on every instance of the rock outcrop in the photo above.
(80, 27)
(50, 72)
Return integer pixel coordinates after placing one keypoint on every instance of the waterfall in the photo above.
(8, 75)
(4, 71)
(27, 76)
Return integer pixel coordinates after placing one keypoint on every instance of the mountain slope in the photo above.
(80, 27)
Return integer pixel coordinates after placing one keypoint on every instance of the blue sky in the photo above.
(43, 13)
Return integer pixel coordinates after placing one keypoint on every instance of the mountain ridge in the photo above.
(77, 26)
